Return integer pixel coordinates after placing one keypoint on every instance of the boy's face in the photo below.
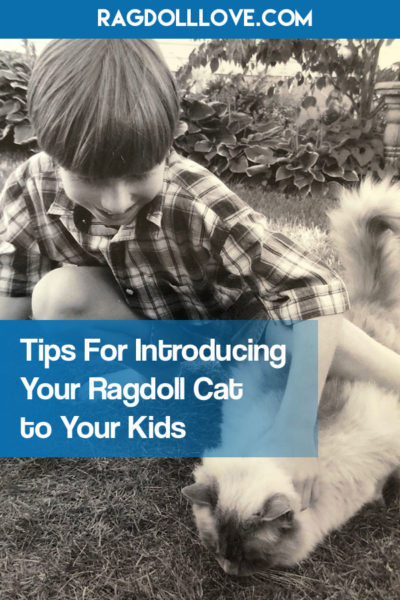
(114, 201)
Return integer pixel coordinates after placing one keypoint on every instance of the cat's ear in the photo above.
(200, 493)
(278, 507)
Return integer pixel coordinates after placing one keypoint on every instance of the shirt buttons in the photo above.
(129, 291)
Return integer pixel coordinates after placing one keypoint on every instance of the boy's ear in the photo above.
(180, 129)
(200, 493)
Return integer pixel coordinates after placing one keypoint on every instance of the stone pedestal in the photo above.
(390, 90)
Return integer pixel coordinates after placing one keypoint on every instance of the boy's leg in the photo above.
(79, 293)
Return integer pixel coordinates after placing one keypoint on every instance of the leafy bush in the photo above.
(340, 145)
(324, 155)
(240, 130)
(228, 141)
(312, 159)
(14, 77)
(240, 93)
(349, 65)
(390, 73)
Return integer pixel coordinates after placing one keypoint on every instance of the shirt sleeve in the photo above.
(288, 282)
(21, 263)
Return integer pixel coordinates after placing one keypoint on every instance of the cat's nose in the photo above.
(229, 567)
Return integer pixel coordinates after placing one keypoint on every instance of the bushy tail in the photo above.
(366, 233)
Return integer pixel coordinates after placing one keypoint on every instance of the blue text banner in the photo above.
(154, 388)
(105, 19)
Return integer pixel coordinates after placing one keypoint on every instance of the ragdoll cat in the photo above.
(246, 509)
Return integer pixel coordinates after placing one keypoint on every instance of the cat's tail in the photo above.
(366, 232)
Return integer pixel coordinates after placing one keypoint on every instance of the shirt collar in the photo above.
(61, 204)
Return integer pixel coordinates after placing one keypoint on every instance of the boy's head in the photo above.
(103, 109)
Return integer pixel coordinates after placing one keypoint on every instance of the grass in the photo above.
(118, 529)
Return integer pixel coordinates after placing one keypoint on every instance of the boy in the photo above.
(108, 192)
(155, 236)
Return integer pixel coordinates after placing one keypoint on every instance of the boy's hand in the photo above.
(304, 473)
(306, 480)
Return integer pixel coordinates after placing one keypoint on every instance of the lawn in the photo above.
(104, 529)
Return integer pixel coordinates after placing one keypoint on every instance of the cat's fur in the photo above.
(246, 509)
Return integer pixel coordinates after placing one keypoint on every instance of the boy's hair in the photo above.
(103, 108)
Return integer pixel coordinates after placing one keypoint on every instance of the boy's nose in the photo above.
(116, 198)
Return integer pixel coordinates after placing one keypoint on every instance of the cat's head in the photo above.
(246, 514)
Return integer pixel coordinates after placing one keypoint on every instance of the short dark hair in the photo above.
(103, 108)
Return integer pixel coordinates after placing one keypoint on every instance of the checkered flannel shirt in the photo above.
(194, 252)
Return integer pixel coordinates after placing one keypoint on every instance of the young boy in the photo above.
(151, 235)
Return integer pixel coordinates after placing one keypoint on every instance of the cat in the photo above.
(247, 510)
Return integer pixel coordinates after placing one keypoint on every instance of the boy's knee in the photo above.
(63, 293)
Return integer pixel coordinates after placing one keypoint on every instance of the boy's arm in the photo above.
(298, 383)
(22, 263)
(349, 353)
(290, 286)
(15, 308)
(292, 420)
(358, 356)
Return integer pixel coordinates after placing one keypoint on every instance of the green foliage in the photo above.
(350, 66)
(240, 93)
(311, 159)
(228, 142)
(324, 155)
(390, 73)
(239, 127)
(14, 76)
(340, 145)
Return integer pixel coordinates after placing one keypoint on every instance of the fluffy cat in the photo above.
(246, 509)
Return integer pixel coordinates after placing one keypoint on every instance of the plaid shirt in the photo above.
(194, 252)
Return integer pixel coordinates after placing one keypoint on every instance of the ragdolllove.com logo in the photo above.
(239, 17)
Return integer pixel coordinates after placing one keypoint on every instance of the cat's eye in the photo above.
(287, 517)
(252, 523)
